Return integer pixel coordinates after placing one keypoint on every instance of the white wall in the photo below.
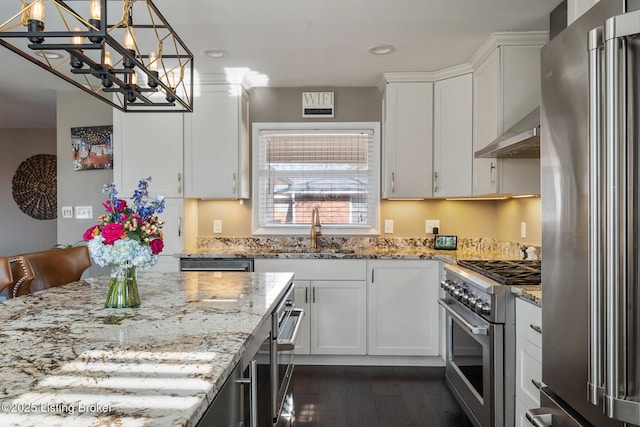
(20, 233)
(575, 9)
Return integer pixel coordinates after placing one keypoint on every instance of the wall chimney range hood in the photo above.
(521, 141)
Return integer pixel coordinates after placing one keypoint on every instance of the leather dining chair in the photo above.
(56, 267)
(6, 278)
(22, 274)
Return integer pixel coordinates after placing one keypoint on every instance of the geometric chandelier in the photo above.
(123, 52)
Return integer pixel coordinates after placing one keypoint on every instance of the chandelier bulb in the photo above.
(74, 60)
(95, 10)
(35, 23)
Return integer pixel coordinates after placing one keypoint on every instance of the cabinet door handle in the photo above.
(234, 183)
(313, 294)
(536, 328)
(179, 183)
(393, 182)
(492, 174)
(179, 226)
(373, 275)
(306, 295)
(435, 182)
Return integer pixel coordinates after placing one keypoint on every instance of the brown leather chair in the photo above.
(56, 267)
(6, 278)
(22, 275)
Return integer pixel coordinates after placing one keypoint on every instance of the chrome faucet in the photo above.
(316, 228)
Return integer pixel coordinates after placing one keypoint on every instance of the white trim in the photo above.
(495, 40)
(347, 360)
(529, 38)
(327, 230)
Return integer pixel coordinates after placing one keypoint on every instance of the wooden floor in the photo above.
(373, 396)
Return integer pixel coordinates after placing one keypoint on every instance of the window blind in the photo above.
(333, 171)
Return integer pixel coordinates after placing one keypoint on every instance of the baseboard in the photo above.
(345, 360)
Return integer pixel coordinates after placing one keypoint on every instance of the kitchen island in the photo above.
(68, 361)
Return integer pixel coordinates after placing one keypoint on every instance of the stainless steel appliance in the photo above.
(590, 206)
(480, 336)
(216, 264)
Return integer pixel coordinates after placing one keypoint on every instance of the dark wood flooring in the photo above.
(374, 396)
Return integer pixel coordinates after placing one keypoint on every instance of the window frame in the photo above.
(327, 229)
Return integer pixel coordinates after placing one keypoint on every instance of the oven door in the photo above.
(475, 364)
(290, 326)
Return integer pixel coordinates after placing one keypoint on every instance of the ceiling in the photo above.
(298, 44)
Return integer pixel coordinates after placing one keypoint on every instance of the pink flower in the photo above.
(90, 233)
(156, 246)
(111, 233)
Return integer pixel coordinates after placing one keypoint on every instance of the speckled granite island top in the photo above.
(68, 361)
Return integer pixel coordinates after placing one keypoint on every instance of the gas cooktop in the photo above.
(512, 272)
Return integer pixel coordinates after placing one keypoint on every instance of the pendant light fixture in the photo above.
(104, 47)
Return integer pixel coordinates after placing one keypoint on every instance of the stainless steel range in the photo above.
(480, 335)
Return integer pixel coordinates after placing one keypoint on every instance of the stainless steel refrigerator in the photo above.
(590, 168)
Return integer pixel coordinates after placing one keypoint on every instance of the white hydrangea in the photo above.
(123, 250)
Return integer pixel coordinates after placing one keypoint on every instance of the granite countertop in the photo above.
(531, 293)
(68, 361)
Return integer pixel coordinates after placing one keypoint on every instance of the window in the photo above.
(301, 166)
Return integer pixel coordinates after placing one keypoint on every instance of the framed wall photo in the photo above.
(92, 147)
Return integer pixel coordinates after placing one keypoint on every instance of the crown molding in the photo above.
(219, 79)
(495, 40)
(422, 76)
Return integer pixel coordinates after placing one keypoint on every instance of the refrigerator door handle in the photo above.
(539, 417)
(595, 374)
(617, 74)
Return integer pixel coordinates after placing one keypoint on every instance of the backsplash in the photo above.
(473, 248)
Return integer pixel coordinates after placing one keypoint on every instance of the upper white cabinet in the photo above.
(403, 316)
(506, 88)
(148, 144)
(407, 140)
(216, 139)
(453, 136)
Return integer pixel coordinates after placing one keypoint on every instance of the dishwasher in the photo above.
(216, 264)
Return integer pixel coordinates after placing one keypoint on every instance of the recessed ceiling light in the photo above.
(48, 54)
(383, 49)
(215, 53)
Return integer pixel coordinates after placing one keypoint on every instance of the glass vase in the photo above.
(123, 286)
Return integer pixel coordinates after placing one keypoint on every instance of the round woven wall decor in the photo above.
(34, 186)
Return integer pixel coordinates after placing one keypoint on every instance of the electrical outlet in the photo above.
(430, 224)
(523, 229)
(217, 226)
(388, 226)
(84, 212)
(67, 212)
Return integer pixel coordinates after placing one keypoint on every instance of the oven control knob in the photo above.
(478, 306)
(445, 284)
(457, 292)
(464, 297)
(486, 309)
(471, 301)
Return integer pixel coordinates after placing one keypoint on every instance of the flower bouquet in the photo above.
(125, 238)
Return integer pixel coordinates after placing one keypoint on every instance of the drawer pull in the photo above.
(536, 328)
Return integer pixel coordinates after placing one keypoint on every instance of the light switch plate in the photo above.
(67, 212)
(523, 230)
(217, 226)
(84, 212)
(388, 226)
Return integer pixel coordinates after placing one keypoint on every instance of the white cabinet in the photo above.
(528, 358)
(403, 315)
(453, 136)
(173, 235)
(408, 140)
(506, 88)
(148, 145)
(333, 294)
(216, 139)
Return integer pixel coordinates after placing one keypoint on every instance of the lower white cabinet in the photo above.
(334, 296)
(403, 315)
(528, 358)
